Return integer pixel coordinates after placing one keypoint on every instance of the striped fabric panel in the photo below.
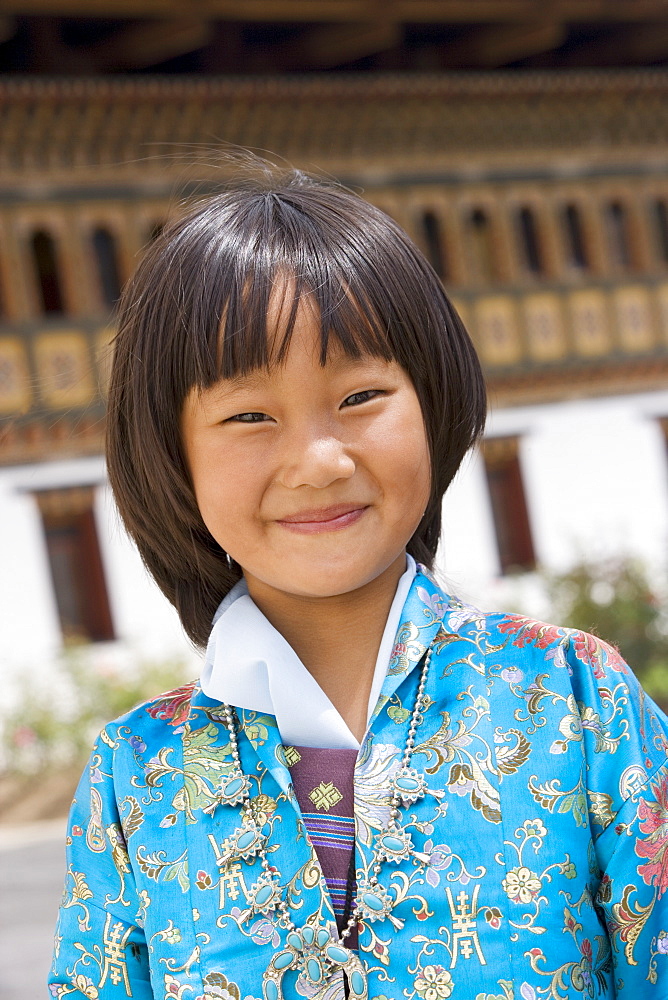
(333, 833)
(336, 832)
(323, 783)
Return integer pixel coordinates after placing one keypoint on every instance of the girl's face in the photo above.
(313, 478)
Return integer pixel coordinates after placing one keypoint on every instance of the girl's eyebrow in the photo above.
(258, 377)
(237, 383)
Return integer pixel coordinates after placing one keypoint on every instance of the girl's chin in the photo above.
(320, 580)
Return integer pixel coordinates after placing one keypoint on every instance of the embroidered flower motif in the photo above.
(174, 990)
(461, 614)
(264, 806)
(86, 986)
(534, 828)
(513, 675)
(460, 779)
(568, 869)
(653, 845)
(432, 601)
(440, 858)
(219, 987)
(434, 983)
(529, 631)
(521, 885)
(493, 916)
(174, 706)
(203, 880)
(662, 943)
(263, 931)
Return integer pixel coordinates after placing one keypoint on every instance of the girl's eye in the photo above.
(361, 397)
(248, 418)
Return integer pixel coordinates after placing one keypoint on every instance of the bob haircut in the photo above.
(196, 311)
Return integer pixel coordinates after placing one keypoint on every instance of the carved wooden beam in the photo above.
(403, 11)
(490, 47)
(640, 43)
(328, 45)
(149, 42)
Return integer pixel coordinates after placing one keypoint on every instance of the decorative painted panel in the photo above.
(498, 338)
(64, 369)
(590, 322)
(634, 319)
(15, 388)
(546, 339)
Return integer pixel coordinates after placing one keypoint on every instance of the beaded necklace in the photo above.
(311, 949)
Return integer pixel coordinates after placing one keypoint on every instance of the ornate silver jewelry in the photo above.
(312, 950)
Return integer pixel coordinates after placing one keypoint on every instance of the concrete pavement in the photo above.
(32, 871)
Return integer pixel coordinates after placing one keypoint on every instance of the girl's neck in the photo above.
(336, 638)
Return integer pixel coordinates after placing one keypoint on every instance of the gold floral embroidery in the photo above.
(325, 795)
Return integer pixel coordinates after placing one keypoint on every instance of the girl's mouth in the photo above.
(320, 519)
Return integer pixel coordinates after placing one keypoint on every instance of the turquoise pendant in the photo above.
(316, 955)
(264, 895)
(234, 788)
(374, 902)
(246, 842)
(409, 785)
(394, 845)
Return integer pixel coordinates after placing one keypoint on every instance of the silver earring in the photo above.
(229, 560)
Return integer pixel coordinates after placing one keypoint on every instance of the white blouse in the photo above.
(250, 665)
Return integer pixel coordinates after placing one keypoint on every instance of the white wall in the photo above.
(596, 478)
(30, 639)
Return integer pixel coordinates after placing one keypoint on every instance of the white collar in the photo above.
(250, 665)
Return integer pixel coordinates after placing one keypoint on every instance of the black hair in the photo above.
(196, 311)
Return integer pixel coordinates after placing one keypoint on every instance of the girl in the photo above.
(374, 791)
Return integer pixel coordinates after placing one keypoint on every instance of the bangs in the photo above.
(260, 266)
(258, 325)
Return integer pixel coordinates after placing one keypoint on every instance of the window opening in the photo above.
(75, 563)
(577, 251)
(480, 240)
(47, 272)
(431, 229)
(530, 242)
(661, 220)
(509, 506)
(104, 246)
(618, 235)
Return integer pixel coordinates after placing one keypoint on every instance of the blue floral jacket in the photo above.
(543, 855)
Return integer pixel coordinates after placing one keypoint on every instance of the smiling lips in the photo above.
(323, 518)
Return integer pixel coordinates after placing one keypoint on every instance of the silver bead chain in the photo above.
(248, 814)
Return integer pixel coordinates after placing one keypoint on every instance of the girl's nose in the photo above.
(317, 462)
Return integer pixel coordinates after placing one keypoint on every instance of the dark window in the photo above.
(529, 241)
(47, 273)
(104, 246)
(575, 244)
(509, 507)
(75, 562)
(480, 242)
(661, 223)
(618, 235)
(431, 229)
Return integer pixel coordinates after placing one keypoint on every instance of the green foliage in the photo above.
(55, 725)
(614, 600)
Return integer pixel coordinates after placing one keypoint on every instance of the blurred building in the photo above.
(540, 197)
